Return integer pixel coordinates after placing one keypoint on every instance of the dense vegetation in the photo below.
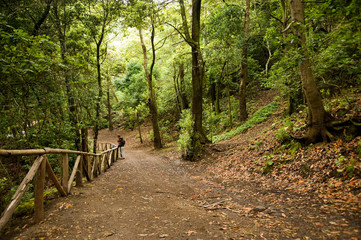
(69, 66)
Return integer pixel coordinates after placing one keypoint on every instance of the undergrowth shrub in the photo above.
(26, 207)
(282, 135)
(165, 128)
(185, 124)
(268, 165)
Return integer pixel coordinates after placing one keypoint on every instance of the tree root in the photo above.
(346, 129)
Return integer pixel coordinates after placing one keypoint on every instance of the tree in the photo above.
(61, 27)
(198, 74)
(100, 15)
(152, 102)
(133, 95)
(140, 15)
(243, 115)
(223, 32)
(318, 117)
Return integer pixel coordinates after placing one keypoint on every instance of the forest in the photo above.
(191, 71)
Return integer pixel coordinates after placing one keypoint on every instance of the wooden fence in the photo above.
(89, 164)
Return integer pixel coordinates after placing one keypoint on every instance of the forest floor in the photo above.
(155, 195)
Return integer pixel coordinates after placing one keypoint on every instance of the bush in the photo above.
(282, 135)
(186, 130)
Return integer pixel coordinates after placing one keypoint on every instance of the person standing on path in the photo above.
(121, 143)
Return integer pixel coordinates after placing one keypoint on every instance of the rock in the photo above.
(270, 211)
(108, 234)
(259, 209)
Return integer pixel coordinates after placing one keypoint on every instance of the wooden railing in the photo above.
(89, 164)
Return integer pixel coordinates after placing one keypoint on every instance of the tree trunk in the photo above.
(84, 140)
(109, 106)
(42, 18)
(317, 121)
(229, 106)
(212, 94)
(100, 95)
(138, 125)
(294, 98)
(244, 69)
(69, 93)
(152, 104)
(198, 73)
(183, 96)
(218, 96)
(176, 90)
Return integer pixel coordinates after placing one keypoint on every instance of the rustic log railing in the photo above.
(90, 164)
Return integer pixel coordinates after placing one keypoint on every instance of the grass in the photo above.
(258, 117)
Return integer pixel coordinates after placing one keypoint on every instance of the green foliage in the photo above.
(255, 145)
(132, 92)
(3, 183)
(132, 86)
(282, 135)
(224, 23)
(284, 74)
(289, 147)
(259, 116)
(185, 124)
(165, 129)
(26, 207)
(216, 123)
(345, 166)
(268, 165)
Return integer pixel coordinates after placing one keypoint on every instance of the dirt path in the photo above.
(155, 196)
(139, 197)
(143, 196)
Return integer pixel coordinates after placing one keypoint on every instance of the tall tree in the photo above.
(142, 14)
(317, 115)
(198, 74)
(243, 115)
(152, 102)
(100, 15)
(62, 26)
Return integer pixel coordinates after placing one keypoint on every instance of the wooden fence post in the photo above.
(105, 162)
(79, 173)
(15, 200)
(95, 167)
(39, 193)
(65, 172)
(53, 177)
(89, 166)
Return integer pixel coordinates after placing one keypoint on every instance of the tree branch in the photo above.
(185, 39)
(276, 18)
(164, 40)
(42, 18)
(289, 26)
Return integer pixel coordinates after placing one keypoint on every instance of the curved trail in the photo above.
(143, 196)
(154, 196)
